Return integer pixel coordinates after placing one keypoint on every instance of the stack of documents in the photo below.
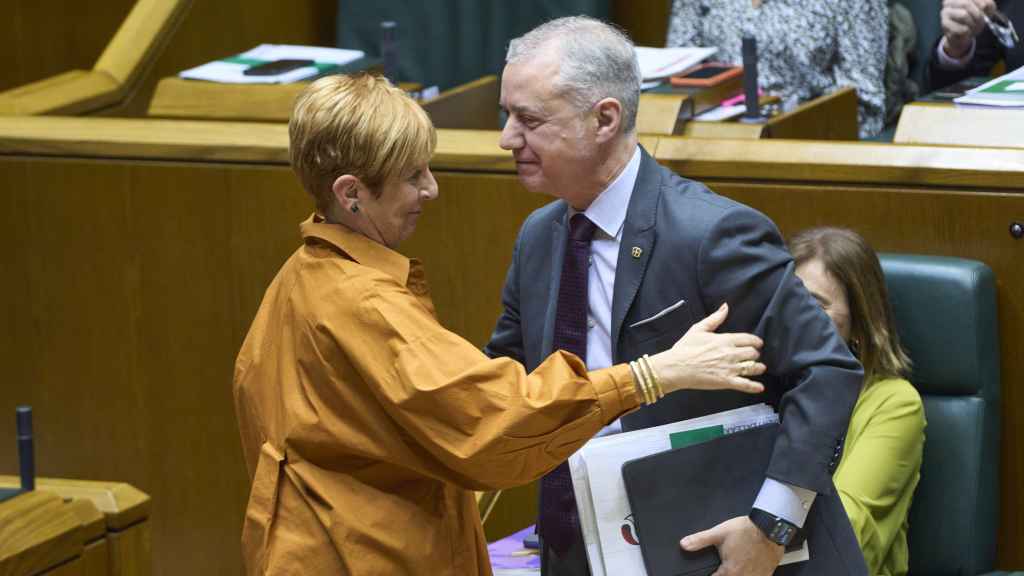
(605, 517)
(656, 64)
(232, 70)
(1006, 91)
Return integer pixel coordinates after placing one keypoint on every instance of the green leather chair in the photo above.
(945, 312)
(929, 29)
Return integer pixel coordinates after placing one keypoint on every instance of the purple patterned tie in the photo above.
(559, 521)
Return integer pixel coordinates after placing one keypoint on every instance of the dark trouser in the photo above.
(572, 563)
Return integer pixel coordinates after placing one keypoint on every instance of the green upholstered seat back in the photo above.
(929, 28)
(945, 312)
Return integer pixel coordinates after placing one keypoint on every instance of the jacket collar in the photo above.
(356, 246)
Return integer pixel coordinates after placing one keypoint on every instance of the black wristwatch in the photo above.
(778, 530)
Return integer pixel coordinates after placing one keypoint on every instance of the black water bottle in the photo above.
(26, 452)
(389, 49)
(751, 98)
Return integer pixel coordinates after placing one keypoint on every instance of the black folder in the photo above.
(686, 490)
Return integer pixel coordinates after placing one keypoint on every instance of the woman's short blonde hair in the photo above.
(359, 125)
(850, 260)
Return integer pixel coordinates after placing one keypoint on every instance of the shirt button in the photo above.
(590, 323)
(590, 260)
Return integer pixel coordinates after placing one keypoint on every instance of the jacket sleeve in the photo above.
(507, 338)
(451, 412)
(743, 261)
(987, 51)
(879, 468)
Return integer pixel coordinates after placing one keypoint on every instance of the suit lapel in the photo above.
(638, 238)
(558, 238)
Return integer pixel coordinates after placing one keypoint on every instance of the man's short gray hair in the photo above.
(597, 61)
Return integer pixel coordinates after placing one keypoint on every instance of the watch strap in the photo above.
(778, 530)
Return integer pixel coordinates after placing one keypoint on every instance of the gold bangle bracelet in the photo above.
(641, 378)
(648, 376)
(654, 377)
(637, 382)
(647, 382)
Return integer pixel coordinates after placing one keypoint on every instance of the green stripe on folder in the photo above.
(691, 437)
(1001, 88)
(246, 61)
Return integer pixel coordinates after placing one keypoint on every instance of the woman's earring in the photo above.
(355, 208)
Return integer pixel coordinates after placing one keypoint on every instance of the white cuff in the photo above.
(947, 62)
(785, 501)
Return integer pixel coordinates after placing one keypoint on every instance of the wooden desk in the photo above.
(474, 106)
(143, 277)
(952, 125)
(470, 106)
(73, 527)
(830, 117)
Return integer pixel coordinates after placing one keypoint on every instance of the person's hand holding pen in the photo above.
(705, 360)
(962, 20)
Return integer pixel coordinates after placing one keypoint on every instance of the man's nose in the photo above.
(511, 135)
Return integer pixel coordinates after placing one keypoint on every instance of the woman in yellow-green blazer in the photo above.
(881, 462)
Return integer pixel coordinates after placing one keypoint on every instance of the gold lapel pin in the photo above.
(637, 251)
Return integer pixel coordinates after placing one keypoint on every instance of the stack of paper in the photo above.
(605, 518)
(1006, 91)
(657, 64)
(232, 70)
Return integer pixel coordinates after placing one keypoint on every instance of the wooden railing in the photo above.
(138, 251)
(117, 72)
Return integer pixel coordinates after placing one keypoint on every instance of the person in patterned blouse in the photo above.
(805, 49)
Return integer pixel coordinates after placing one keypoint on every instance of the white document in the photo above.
(1011, 95)
(719, 113)
(656, 63)
(232, 71)
(601, 499)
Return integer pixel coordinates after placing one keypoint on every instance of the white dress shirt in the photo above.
(608, 213)
(948, 62)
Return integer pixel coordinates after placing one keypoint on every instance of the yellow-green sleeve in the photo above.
(880, 469)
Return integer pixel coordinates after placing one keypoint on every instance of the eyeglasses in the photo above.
(1002, 29)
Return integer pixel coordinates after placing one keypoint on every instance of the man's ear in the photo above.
(347, 189)
(609, 119)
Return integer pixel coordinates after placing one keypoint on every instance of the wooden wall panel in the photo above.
(134, 288)
(41, 39)
(646, 22)
(136, 283)
(132, 284)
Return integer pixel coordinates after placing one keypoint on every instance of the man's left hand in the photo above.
(744, 549)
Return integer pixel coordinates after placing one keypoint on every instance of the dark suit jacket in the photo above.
(987, 51)
(701, 249)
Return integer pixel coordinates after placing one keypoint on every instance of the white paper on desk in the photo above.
(601, 493)
(663, 62)
(229, 72)
(1011, 97)
(1017, 74)
(271, 52)
(719, 113)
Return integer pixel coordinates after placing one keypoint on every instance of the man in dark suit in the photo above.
(664, 253)
(967, 46)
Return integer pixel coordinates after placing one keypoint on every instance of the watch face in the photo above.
(782, 533)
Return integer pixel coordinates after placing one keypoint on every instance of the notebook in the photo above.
(693, 488)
